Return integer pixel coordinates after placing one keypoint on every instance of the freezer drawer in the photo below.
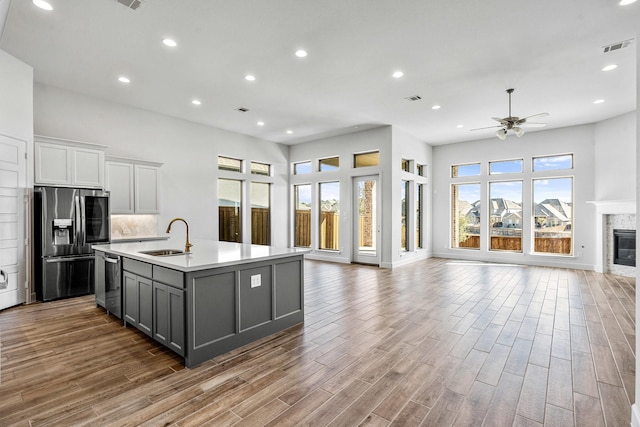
(64, 277)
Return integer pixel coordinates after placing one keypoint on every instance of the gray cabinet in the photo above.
(168, 316)
(138, 295)
(100, 284)
(153, 299)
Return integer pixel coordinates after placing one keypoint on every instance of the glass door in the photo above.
(367, 225)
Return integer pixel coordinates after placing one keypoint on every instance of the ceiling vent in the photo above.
(131, 4)
(242, 109)
(413, 98)
(616, 46)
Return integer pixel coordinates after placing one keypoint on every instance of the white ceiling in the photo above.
(459, 54)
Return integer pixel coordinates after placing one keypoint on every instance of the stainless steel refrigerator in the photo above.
(67, 221)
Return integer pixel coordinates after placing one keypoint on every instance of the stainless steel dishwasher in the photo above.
(113, 285)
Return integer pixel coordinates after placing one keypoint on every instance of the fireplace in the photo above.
(624, 247)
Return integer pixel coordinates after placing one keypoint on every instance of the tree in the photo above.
(462, 229)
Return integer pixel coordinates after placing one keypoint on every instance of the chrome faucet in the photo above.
(187, 246)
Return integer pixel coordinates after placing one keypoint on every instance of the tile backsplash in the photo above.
(127, 226)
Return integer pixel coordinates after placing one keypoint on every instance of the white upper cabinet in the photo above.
(133, 185)
(60, 162)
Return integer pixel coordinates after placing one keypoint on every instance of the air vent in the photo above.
(131, 4)
(413, 98)
(617, 46)
(242, 109)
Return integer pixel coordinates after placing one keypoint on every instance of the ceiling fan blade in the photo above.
(535, 115)
(488, 127)
(532, 125)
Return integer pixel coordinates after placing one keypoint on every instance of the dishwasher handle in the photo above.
(112, 260)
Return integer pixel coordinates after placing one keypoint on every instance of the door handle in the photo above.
(4, 283)
(70, 259)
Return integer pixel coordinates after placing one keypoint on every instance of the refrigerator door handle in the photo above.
(83, 221)
(69, 259)
(5, 280)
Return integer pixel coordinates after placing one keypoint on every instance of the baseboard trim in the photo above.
(635, 415)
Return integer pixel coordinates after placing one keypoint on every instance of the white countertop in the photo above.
(138, 239)
(204, 254)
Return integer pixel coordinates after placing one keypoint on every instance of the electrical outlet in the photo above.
(256, 280)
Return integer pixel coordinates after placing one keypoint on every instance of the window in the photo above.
(329, 215)
(505, 166)
(260, 169)
(302, 216)
(301, 167)
(553, 215)
(548, 163)
(419, 219)
(260, 213)
(229, 164)
(229, 210)
(422, 170)
(505, 216)
(465, 170)
(404, 236)
(465, 216)
(329, 164)
(362, 160)
(406, 165)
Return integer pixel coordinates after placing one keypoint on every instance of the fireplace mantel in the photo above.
(607, 207)
(604, 208)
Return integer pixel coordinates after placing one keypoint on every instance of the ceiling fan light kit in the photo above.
(513, 123)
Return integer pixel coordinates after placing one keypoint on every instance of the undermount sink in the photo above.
(163, 252)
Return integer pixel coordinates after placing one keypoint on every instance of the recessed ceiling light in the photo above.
(43, 4)
(301, 53)
(435, 107)
(250, 77)
(397, 74)
(598, 101)
(460, 126)
(123, 79)
(196, 102)
(260, 123)
(169, 42)
(626, 2)
(289, 132)
(610, 67)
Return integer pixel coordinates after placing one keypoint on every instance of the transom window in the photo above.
(472, 169)
(301, 167)
(329, 164)
(362, 160)
(229, 164)
(260, 169)
(505, 166)
(548, 163)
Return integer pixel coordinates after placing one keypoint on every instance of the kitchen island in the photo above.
(217, 298)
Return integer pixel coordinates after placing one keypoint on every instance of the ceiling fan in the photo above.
(514, 123)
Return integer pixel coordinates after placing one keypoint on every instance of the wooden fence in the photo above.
(229, 227)
(551, 245)
(329, 229)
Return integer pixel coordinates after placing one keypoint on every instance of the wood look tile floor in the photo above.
(435, 343)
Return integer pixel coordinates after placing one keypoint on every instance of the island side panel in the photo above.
(217, 298)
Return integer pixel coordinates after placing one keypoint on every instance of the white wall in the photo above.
(615, 158)
(406, 146)
(394, 145)
(189, 152)
(16, 99)
(578, 140)
(343, 146)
